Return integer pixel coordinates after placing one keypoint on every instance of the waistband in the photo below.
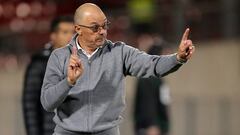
(112, 131)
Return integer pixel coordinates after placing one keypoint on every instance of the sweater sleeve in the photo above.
(55, 87)
(141, 64)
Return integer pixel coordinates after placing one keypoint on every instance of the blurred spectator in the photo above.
(152, 98)
(37, 120)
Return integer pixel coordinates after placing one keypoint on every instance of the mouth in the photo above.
(100, 39)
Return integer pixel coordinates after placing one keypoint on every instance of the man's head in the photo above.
(91, 25)
(62, 29)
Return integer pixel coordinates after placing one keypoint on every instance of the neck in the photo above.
(86, 47)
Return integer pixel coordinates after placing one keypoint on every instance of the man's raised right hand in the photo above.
(75, 67)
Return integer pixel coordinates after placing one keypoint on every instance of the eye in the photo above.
(95, 28)
(106, 25)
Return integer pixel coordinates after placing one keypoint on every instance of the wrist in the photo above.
(180, 60)
(71, 82)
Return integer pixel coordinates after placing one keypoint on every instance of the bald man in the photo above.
(84, 81)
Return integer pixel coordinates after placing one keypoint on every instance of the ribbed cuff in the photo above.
(180, 61)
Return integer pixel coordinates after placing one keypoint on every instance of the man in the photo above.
(37, 120)
(84, 81)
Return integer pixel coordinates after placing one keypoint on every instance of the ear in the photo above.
(78, 30)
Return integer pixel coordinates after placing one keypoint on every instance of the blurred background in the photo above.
(204, 93)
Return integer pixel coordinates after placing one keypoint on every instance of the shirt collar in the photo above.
(84, 52)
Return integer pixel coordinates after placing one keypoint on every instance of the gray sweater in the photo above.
(97, 99)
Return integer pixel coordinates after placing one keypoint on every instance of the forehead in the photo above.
(65, 26)
(68, 25)
(94, 19)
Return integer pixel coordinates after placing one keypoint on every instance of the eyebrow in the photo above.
(97, 23)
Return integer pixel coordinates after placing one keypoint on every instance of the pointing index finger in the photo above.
(185, 35)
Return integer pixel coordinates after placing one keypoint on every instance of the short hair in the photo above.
(60, 19)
